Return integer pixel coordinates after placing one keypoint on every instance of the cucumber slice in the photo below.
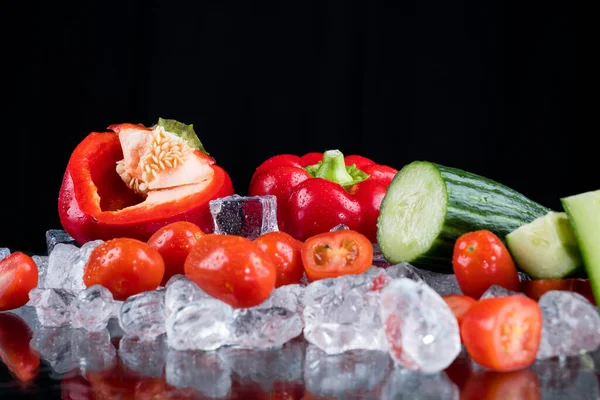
(584, 214)
(546, 248)
(428, 206)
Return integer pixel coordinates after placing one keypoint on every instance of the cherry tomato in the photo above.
(18, 275)
(174, 243)
(503, 333)
(333, 254)
(481, 260)
(459, 305)
(15, 351)
(125, 267)
(491, 385)
(536, 288)
(232, 269)
(285, 253)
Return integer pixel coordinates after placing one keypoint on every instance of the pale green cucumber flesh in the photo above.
(584, 214)
(545, 248)
(428, 206)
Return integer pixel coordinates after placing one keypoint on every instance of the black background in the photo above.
(493, 87)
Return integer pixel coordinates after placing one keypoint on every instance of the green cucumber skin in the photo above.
(476, 203)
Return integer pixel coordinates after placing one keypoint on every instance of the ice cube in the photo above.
(342, 314)
(403, 270)
(4, 252)
(566, 378)
(289, 297)
(407, 384)
(265, 327)
(498, 291)
(56, 236)
(28, 314)
(54, 345)
(204, 324)
(248, 216)
(147, 358)
(92, 308)
(181, 291)
(378, 257)
(143, 315)
(114, 329)
(93, 351)
(571, 324)
(444, 284)
(339, 227)
(267, 367)
(66, 264)
(53, 306)
(353, 374)
(421, 330)
(42, 265)
(206, 371)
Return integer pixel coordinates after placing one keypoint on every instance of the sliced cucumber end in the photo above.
(546, 248)
(412, 212)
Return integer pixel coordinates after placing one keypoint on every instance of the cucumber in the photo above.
(428, 206)
(546, 248)
(584, 214)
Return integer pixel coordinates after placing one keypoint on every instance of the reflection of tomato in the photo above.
(491, 385)
(287, 391)
(121, 383)
(503, 333)
(337, 253)
(460, 370)
(15, 351)
(537, 287)
(75, 388)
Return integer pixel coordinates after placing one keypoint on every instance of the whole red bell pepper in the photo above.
(134, 180)
(316, 192)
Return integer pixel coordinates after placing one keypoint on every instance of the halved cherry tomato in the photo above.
(284, 251)
(174, 243)
(18, 275)
(232, 269)
(536, 288)
(337, 253)
(491, 385)
(459, 305)
(125, 267)
(481, 260)
(503, 333)
(15, 351)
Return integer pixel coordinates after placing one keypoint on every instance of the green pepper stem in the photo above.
(333, 168)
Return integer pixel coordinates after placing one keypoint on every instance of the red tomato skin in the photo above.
(481, 260)
(125, 267)
(331, 268)
(20, 274)
(285, 253)
(174, 243)
(232, 269)
(459, 304)
(537, 287)
(487, 327)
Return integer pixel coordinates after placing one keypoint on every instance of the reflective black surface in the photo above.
(53, 363)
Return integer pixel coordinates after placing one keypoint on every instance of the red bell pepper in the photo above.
(316, 192)
(99, 201)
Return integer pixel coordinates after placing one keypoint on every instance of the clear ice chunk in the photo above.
(93, 351)
(339, 227)
(92, 308)
(404, 270)
(407, 384)
(353, 374)
(204, 324)
(56, 236)
(248, 216)
(498, 291)
(143, 315)
(265, 327)
(28, 313)
(444, 284)
(42, 265)
(571, 324)
(66, 264)
(421, 330)
(266, 367)
(180, 290)
(53, 306)
(148, 358)
(54, 345)
(4, 252)
(342, 314)
(205, 371)
(289, 297)
(378, 257)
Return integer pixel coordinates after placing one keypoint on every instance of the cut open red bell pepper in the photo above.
(317, 192)
(134, 180)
